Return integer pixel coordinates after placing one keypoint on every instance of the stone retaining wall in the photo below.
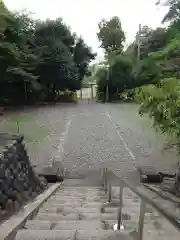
(18, 181)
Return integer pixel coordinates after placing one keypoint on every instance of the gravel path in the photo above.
(41, 127)
(87, 136)
(115, 136)
(143, 141)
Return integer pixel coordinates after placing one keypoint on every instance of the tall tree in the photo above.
(15, 60)
(82, 56)
(111, 36)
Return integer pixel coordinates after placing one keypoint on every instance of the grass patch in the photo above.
(26, 124)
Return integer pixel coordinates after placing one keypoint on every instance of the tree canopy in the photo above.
(173, 12)
(111, 36)
(39, 58)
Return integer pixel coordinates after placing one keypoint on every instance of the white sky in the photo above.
(83, 16)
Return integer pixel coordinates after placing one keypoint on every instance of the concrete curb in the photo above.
(10, 227)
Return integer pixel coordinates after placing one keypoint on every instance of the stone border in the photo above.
(19, 183)
(10, 227)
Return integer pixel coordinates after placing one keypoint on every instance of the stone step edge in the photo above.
(10, 227)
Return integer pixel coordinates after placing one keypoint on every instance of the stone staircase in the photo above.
(75, 213)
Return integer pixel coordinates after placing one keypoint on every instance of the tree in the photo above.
(173, 13)
(118, 77)
(82, 57)
(101, 78)
(111, 36)
(15, 59)
(39, 57)
(155, 41)
(151, 40)
(56, 68)
(65, 57)
(51, 31)
(121, 74)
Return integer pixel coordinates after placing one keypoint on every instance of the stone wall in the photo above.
(18, 181)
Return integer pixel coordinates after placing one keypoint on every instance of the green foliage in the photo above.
(153, 41)
(160, 98)
(101, 76)
(148, 72)
(121, 74)
(82, 57)
(173, 12)
(39, 58)
(118, 76)
(162, 103)
(111, 35)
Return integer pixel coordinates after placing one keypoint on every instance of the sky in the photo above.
(83, 16)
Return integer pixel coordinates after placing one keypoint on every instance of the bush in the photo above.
(162, 102)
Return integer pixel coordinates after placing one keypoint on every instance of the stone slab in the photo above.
(71, 235)
(56, 217)
(45, 235)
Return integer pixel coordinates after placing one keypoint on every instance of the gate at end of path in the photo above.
(88, 93)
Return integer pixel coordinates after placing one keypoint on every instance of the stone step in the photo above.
(39, 224)
(126, 203)
(108, 216)
(82, 216)
(74, 198)
(130, 218)
(95, 191)
(109, 210)
(72, 204)
(66, 210)
(77, 194)
(128, 225)
(77, 216)
(71, 235)
(79, 188)
(113, 204)
(56, 217)
(45, 235)
(64, 225)
(71, 216)
(60, 205)
(62, 201)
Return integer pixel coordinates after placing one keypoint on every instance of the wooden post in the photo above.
(106, 181)
(110, 192)
(141, 220)
(120, 208)
(91, 91)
